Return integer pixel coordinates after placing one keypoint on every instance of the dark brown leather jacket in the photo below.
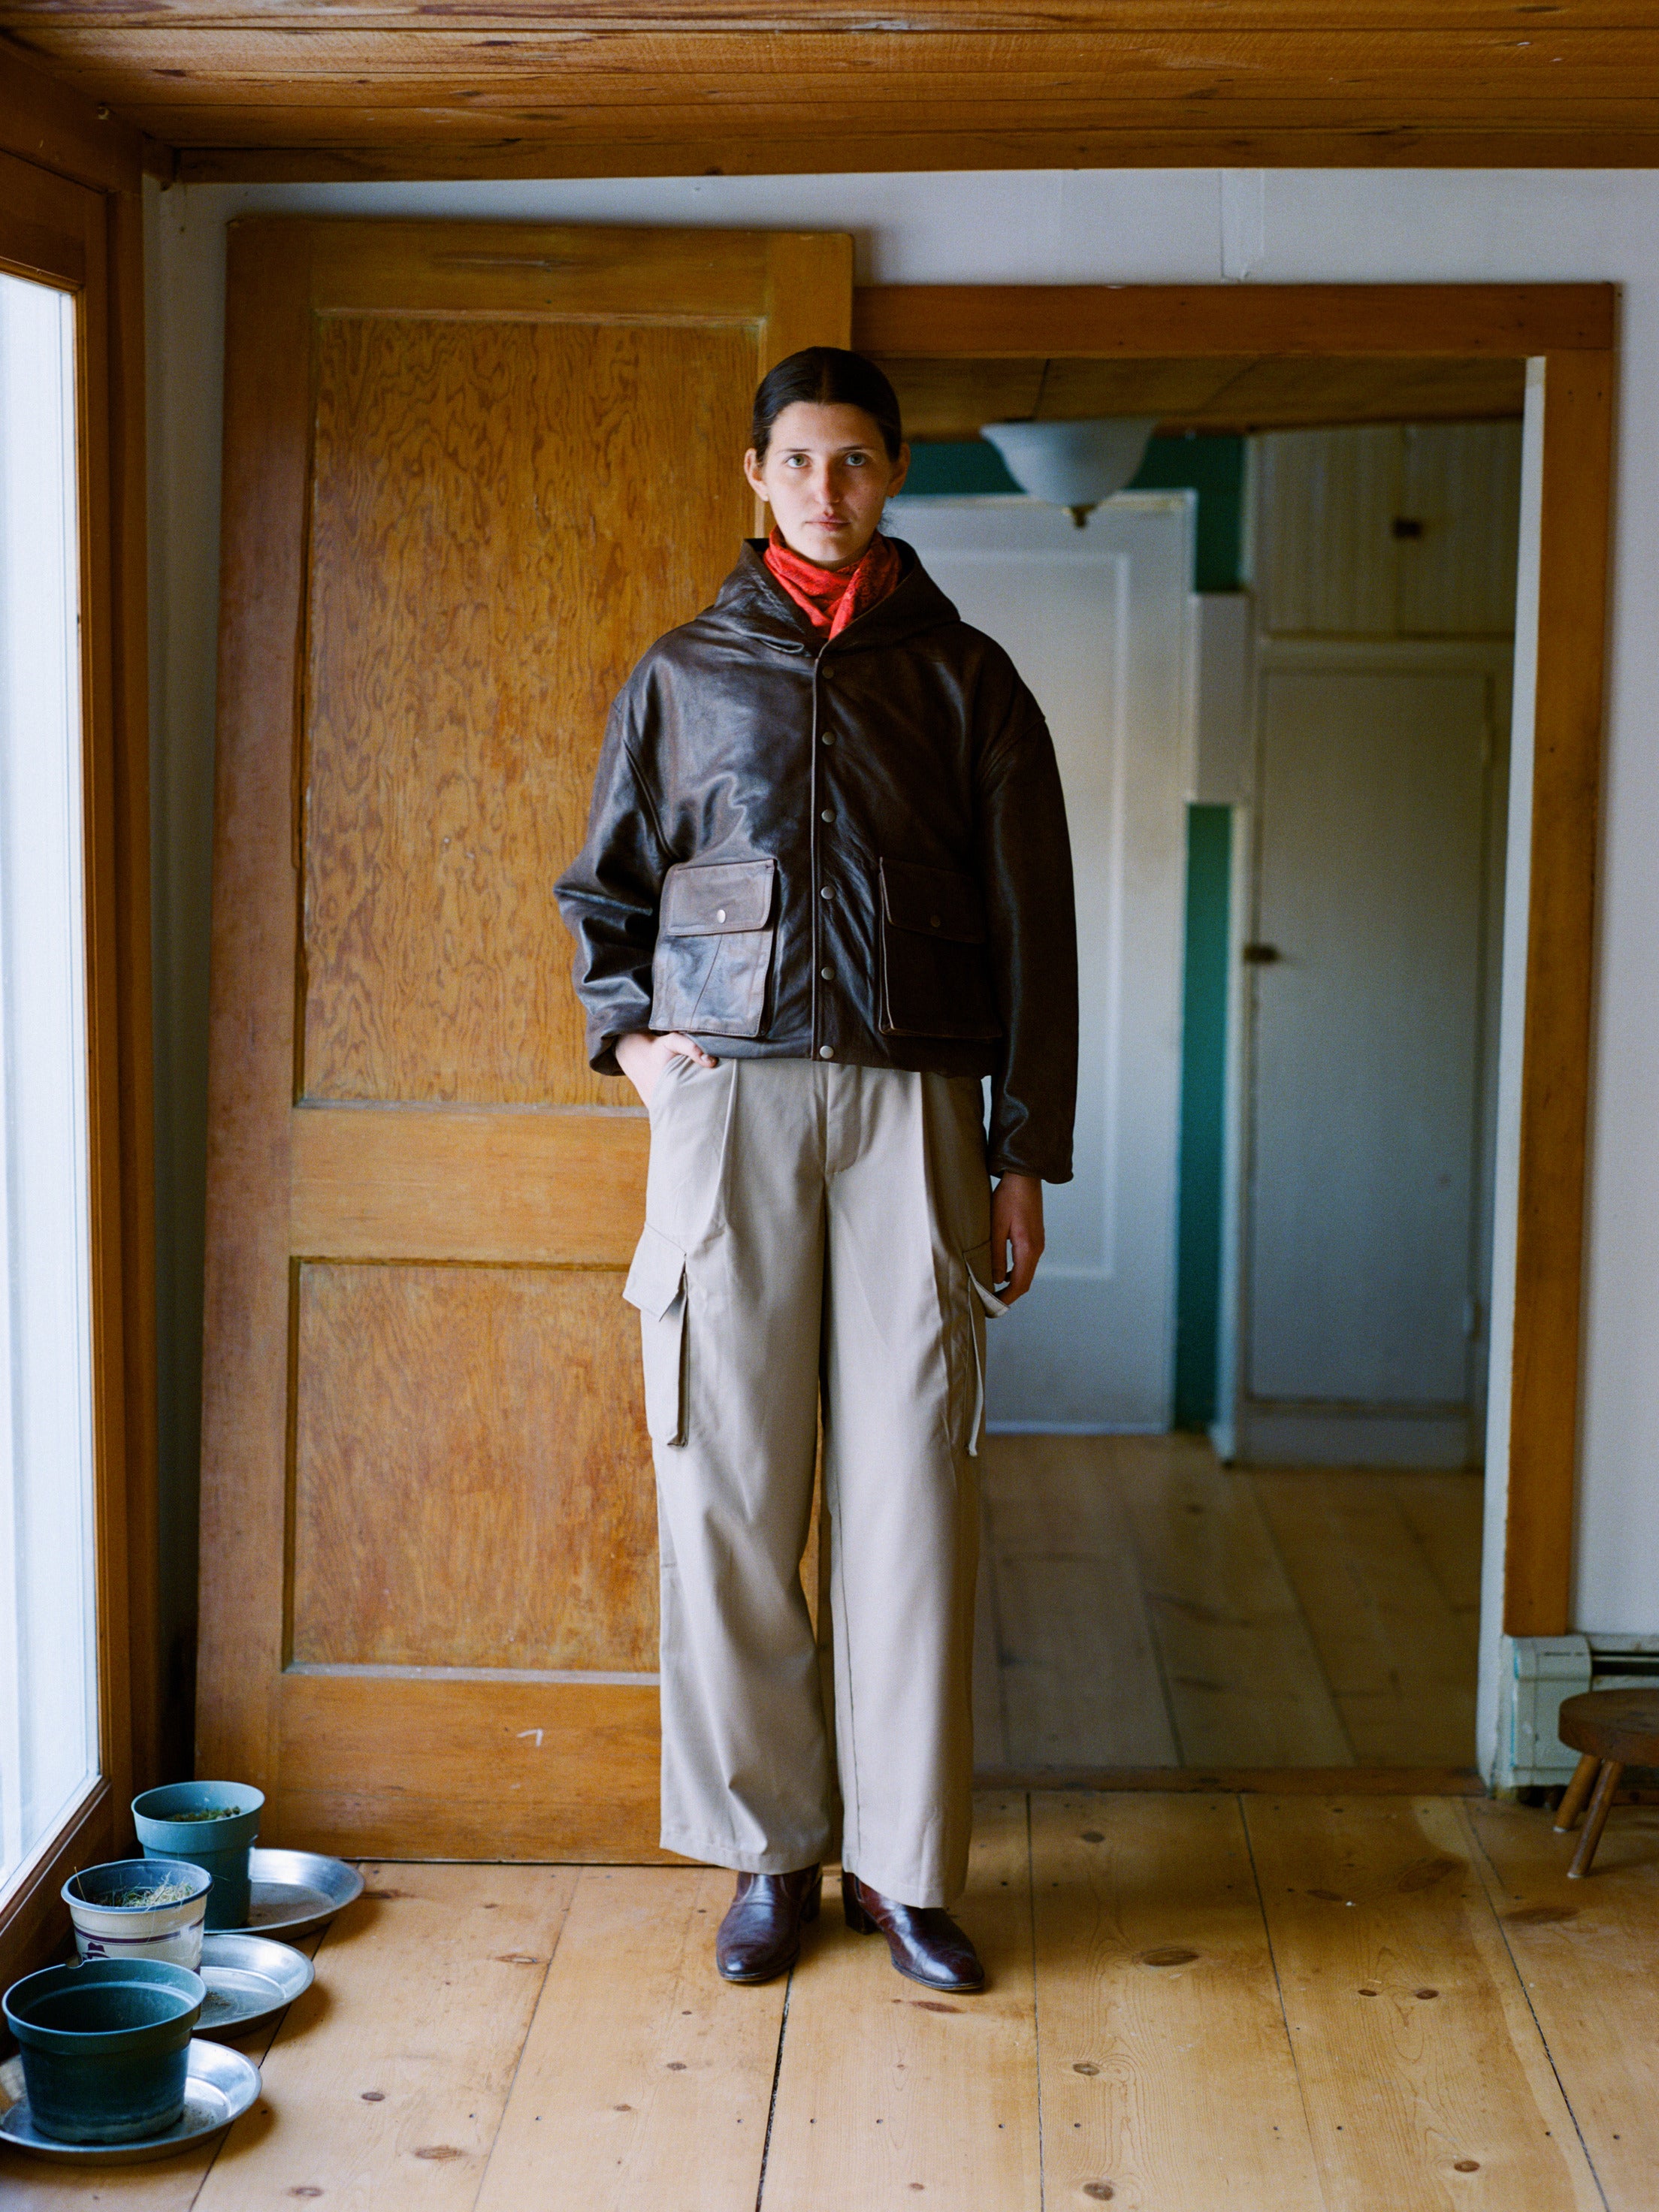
(852, 851)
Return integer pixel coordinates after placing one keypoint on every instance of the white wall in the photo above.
(1096, 620)
(1155, 227)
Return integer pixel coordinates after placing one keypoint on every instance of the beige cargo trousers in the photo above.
(816, 1236)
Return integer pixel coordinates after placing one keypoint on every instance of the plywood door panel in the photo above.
(472, 470)
(500, 1513)
(466, 640)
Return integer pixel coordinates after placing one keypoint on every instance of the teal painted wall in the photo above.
(1203, 1107)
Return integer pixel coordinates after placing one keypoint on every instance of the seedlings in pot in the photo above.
(205, 1813)
(145, 1900)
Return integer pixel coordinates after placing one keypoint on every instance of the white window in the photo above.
(49, 1750)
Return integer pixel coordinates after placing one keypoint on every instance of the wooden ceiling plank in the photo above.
(245, 109)
(898, 133)
(1456, 68)
(1571, 22)
(1074, 389)
(952, 399)
(1274, 395)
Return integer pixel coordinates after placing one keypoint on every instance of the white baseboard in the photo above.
(1072, 1429)
(1296, 1436)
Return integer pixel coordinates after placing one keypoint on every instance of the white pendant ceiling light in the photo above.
(1073, 464)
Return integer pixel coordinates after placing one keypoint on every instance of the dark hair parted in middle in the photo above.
(827, 376)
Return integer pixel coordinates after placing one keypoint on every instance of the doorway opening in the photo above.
(1234, 1498)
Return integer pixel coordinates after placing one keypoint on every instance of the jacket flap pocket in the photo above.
(712, 898)
(657, 1275)
(934, 902)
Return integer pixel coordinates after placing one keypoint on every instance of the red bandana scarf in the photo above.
(832, 598)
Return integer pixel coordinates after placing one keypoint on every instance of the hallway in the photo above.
(1142, 1606)
(1208, 2003)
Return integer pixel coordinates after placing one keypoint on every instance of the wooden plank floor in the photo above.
(1142, 1606)
(1197, 2003)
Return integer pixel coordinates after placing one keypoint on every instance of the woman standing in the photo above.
(826, 891)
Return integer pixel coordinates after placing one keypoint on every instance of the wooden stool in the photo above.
(1613, 1729)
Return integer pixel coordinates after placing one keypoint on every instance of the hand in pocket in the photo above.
(642, 1055)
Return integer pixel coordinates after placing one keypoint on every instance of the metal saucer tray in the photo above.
(295, 1892)
(249, 1981)
(220, 2087)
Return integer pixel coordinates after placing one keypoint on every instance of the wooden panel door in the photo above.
(1362, 1189)
(471, 470)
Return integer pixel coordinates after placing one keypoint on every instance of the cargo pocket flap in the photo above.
(933, 902)
(658, 1275)
(715, 898)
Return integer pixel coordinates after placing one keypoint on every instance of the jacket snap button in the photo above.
(828, 815)
(932, 921)
(828, 738)
(826, 892)
(721, 916)
(824, 1052)
(828, 974)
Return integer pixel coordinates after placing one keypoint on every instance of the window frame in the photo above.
(88, 242)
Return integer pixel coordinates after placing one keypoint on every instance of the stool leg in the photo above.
(1601, 1805)
(1577, 1790)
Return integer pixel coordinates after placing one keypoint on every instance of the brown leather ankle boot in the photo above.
(760, 1935)
(926, 1943)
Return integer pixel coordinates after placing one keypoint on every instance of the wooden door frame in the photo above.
(1572, 328)
(71, 218)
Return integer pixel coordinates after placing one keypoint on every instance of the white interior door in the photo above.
(1096, 622)
(1362, 1186)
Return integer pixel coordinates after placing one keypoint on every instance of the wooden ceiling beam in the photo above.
(1123, 322)
(368, 155)
(55, 127)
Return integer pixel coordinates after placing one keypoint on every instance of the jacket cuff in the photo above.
(602, 1055)
(1054, 1171)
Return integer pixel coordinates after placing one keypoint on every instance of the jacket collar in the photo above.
(752, 600)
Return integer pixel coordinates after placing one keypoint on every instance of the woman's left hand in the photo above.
(1016, 1223)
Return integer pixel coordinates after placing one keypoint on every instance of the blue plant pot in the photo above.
(220, 1847)
(106, 2046)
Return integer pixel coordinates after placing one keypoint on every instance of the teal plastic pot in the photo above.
(105, 2047)
(220, 1847)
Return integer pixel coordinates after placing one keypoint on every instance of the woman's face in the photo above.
(826, 476)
